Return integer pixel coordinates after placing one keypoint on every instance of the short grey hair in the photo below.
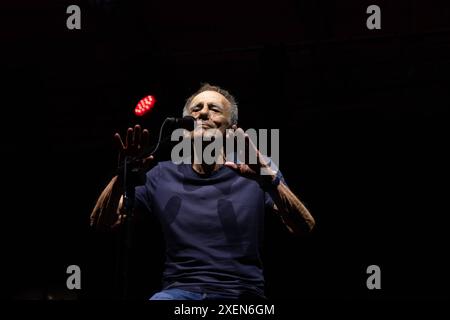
(225, 93)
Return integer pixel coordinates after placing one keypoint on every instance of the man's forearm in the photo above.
(104, 215)
(292, 211)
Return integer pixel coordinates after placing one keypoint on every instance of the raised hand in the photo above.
(247, 169)
(107, 213)
(133, 152)
(136, 141)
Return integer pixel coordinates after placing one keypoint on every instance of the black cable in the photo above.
(159, 137)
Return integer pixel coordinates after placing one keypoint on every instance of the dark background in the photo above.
(363, 119)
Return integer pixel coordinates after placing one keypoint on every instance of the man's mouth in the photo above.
(204, 125)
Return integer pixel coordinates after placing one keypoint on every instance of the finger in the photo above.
(229, 141)
(128, 140)
(147, 162)
(249, 152)
(253, 151)
(120, 220)
(249, 142)
(137, 136)
(239, 131)
(229, 133)
(252, 154)
(118, 141)
(231, 165)
(240, 134)
(240, 141)
(120, 206)
(145, 140)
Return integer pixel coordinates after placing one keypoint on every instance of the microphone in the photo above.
(187, 122)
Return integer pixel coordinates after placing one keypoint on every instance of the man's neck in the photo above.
(206, 169)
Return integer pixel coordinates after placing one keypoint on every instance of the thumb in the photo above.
(231, 165)
(147, 162)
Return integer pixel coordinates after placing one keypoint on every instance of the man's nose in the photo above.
(204, 113)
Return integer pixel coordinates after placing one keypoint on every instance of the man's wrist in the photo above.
(268, 182)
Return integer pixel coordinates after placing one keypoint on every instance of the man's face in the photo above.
(212, 112)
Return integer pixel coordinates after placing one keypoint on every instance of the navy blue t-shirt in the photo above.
(213, 228)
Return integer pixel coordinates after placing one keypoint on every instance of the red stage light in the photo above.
(145, 105)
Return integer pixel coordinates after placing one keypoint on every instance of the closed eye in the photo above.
(196, 108)
(215, 108)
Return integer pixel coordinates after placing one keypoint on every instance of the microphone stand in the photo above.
(126, 231)
(130, 176)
